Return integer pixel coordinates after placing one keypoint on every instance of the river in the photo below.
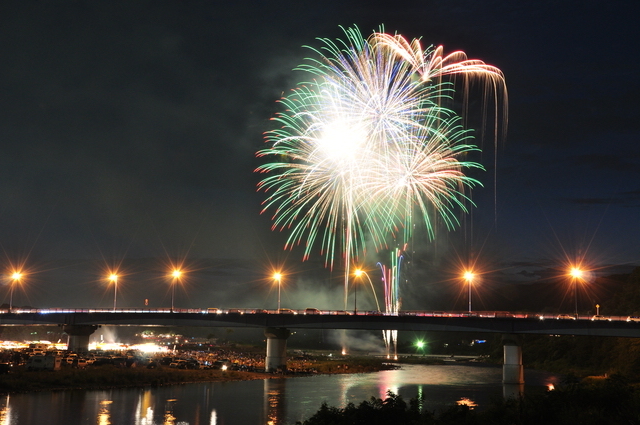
(262, 402)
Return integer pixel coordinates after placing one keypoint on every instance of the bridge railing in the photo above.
(314, 311)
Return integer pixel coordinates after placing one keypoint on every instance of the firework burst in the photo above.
(365, 145)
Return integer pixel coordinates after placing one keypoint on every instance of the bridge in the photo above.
(79, 324)
(486, 322)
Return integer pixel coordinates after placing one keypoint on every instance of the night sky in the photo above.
(129, 131)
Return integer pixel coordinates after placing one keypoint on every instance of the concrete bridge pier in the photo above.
(79, 336)
(276, 349)
(512, 368)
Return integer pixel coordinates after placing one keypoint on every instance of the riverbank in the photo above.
(110, 376)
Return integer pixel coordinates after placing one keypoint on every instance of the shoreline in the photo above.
(109, 377)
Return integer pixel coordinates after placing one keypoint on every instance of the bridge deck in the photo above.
(492, 322)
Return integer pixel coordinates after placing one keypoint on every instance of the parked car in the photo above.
(178, 364)
(285, 311)
(69, 358)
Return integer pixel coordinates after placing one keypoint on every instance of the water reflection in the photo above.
(104, 414)
(266, 402)
(169, 419)
(5, 412)
(144, 409)
(465, 401)
(388, 383)
(274, 401)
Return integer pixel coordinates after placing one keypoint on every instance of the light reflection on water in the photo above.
(266, 402)
(464, 401)
(104, 415)
(274, 397)
(144, 409)
(5, 411)
(169, 419)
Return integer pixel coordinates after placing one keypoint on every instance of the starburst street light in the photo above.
(15, 278)
(576, 274)
(176, 274)
(114, 278)
(358, 273)
(278, 278)
(469, 276)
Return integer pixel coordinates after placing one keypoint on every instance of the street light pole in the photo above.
(278, 278)
(576, 273)
(575, 295)
(176, 276)
(357, 273)
(469, 278)
(469, 285)
(114, 278)
(355, 297)
(14, 278)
